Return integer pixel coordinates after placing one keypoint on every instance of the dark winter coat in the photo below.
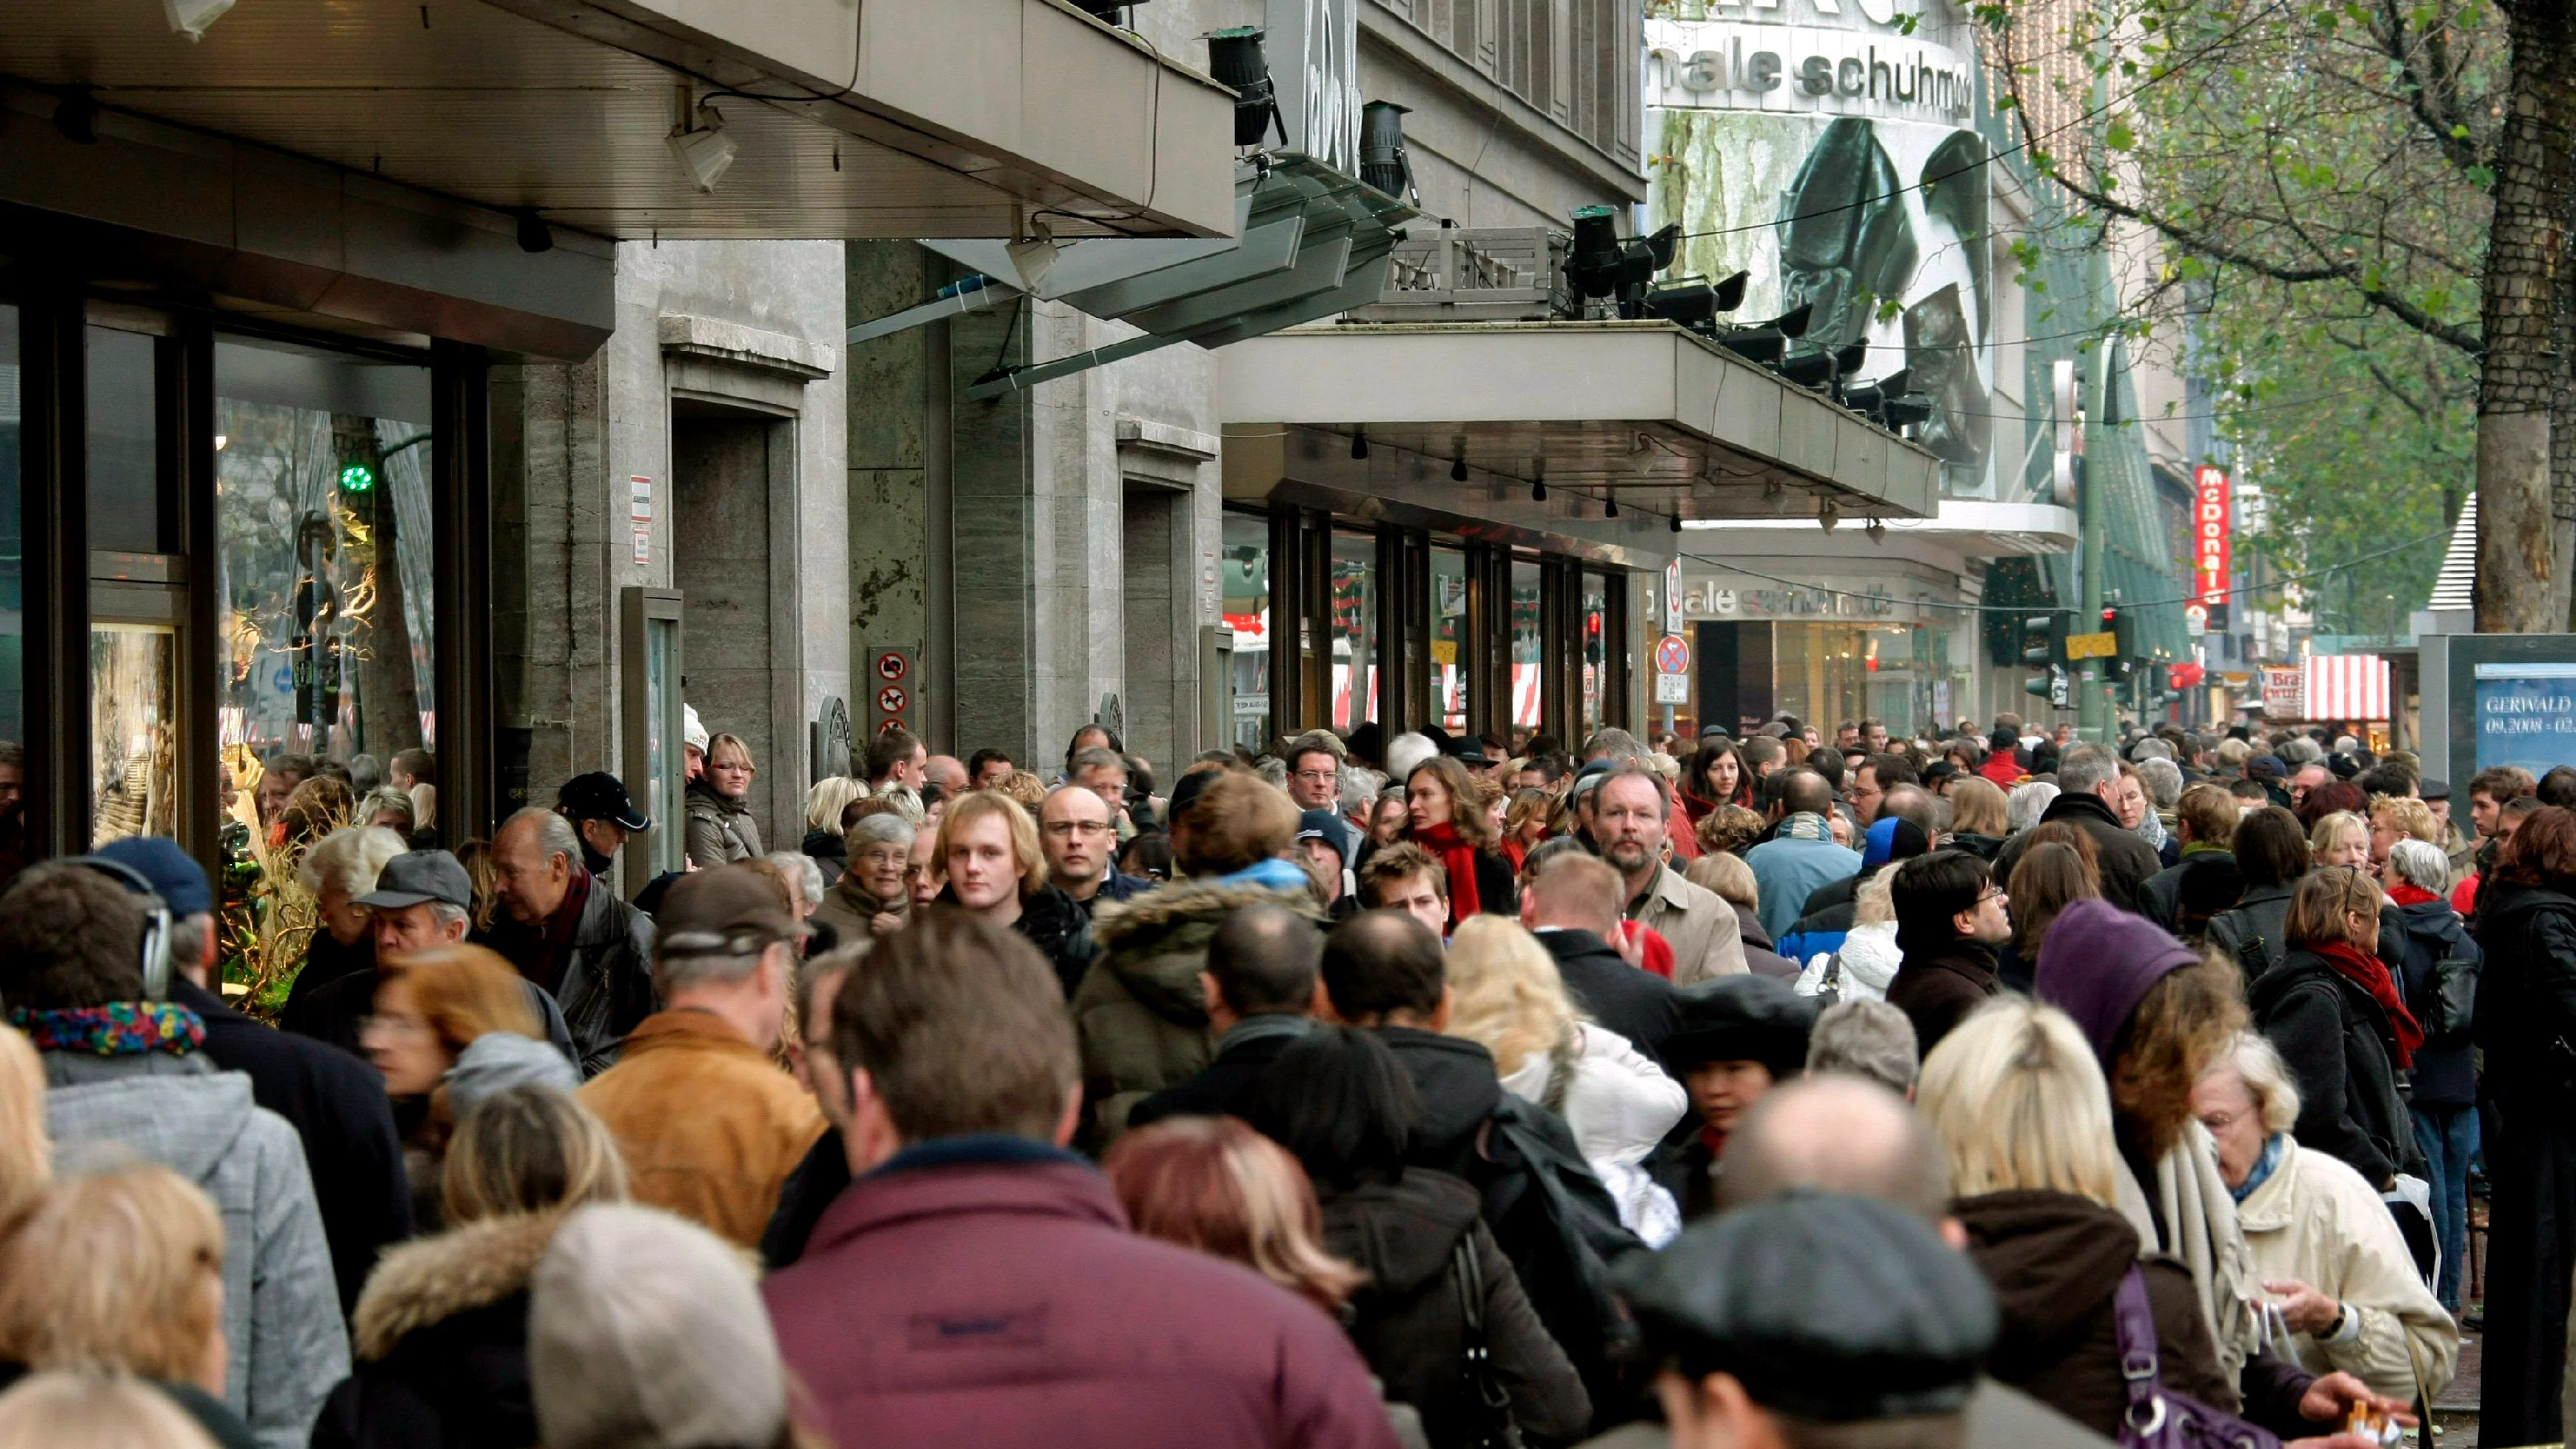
(2055, 1261)
(326, 961)
(1061, 930)
(1141, 1014)
(607, 985)
(804, 1198)
(1937, 989)
(986, 1290)
(333, 1015)
(1759, 956)
(1638, 1005)
(337, 1105)
(2252, 932)
(1222, 1088)
(2526, 1026)
(831, 851)
(1409, 1322)
(442, 1344)
(720, 829)
(2127, 861)
(2445, 1075)
(2340, 1049)
(2160, 899)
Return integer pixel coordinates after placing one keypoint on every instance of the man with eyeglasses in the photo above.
(1951, 914)
(1315, 783)
(1079, 838)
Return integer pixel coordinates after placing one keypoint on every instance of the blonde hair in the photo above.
(722, 743)
(26, 1153)
(1727, 877)
(121, 1271)
(2321, 836)
(2257, 1063)
(1214, 1185)
(94, 1411)
(463, 992)
(1977, 807)
(350, 858)
(529, 1149)
(1022, 787)
(830, 796)
(1874, 904)
(2412, 817)
(974, 805)
(1509, 997)
(2019, 1103)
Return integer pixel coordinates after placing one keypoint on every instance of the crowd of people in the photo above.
(1800, 1090)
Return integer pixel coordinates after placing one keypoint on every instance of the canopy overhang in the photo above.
(888, 118)
(1641, 413)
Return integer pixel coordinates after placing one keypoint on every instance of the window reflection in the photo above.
(1246, 610)
(1355, 647)
(134, 684)
(1528, 689)
(1448, 628)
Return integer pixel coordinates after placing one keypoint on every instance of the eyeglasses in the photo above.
(1316, 777)
(2218, 1122)
(1068, 829)
(392, 1026)
(1992, 893)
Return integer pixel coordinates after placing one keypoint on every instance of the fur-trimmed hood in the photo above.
(1156, 942)
(426, 1282)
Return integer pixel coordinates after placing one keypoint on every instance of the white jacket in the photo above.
(2316, 1220)
(1619, 1106)
(1870, 959)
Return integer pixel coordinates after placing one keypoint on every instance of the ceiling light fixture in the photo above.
(1359, 445)
(704, 150)
(192, 17)
(1457, 470)
(1609, 505)
(1538, 490)
(1877, 531)
(534, 235)
(77, 117)
(1033, 256)
(1677, 523)
(1827, 515)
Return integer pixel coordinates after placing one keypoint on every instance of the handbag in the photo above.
(2156, 1417)
(1486, 1420)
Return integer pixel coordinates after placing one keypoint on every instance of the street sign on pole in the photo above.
(2105, 645)
(1672, 655)
(1673, 596)
(1672, 689)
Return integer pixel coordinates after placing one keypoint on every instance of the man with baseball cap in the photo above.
(708, 1124)
(602, 814)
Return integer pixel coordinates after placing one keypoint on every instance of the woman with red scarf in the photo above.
(2334, 1013)
(1715, 776)
(1443, 817)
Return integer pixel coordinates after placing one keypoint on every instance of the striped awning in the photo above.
(2347, 686)
(2455, 586)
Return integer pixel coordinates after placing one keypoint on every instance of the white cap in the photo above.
(692, 733)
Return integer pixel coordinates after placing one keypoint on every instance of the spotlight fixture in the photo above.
(1877, 531)
(534, 235)
(1383, 162)
(1641, 458)
(1359, 445)
(192, 17)
(705, 152)
(1869, 398)
(1768, 342)
(1772, 489)
(1606, 266)
(1813, 367)
(1906, 411)
(1104, 11)
(1827, 515)
(1033, 256)
(1234, 58)
(76, 116)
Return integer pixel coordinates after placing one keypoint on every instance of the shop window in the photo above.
(1356, 669)
(126, 477)
(1246, 607)
(1593, 628)
(323, 563)
(1529, 691)
(13, 600)
(134, 730)
(1448, 636)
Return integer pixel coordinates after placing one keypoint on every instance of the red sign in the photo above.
(890, 699)
(1672, 655)
(2209, 536)
(891, 666)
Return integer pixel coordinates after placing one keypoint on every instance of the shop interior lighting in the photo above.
(705, 152)
(192, 17)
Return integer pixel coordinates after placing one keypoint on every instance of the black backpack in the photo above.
(2450, 1003)
(2236, 932)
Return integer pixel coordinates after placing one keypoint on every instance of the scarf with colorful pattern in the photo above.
(118, 1029)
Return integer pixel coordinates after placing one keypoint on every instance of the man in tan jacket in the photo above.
(1631, 814)
(709, 1124)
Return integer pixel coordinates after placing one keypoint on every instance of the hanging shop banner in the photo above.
(2209, 545)
(1824, 146)
(2285, 693)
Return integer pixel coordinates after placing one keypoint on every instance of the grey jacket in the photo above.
(721, 831)
(281, 1307)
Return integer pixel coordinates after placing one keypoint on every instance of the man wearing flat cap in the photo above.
(708, 1124)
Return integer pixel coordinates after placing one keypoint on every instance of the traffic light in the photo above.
(2122, 625)
(2043, 647)
(357, 478)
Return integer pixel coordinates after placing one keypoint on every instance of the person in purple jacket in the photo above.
(977, 1283)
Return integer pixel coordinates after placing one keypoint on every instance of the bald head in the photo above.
(1263, 960)
(1576, 891)
(1837, 1134)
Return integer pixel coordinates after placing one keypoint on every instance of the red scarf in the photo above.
(1459, 859)
(2368, 972)
(2405, 894)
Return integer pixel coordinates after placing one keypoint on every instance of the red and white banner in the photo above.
(2347, 686)
(2209, 536)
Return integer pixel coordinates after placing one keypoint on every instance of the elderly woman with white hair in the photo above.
(2026, 803)
(2440, 979)
(2340, 1285)
(341, 867)
(870, 898)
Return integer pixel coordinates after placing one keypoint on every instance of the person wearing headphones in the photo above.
(85, 972)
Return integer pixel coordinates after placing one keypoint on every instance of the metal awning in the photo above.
(1963, 528)
(847, 118)
(1309, 242)
(1668, 425)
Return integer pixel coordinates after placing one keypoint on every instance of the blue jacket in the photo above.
(1786, 870)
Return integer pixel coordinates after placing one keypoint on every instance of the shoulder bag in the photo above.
(2156, 1417)
(1486, 1417)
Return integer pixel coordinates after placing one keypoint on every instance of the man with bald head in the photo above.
(1260, 984)
(1573, 904)
(947, 772)
(1079, 836)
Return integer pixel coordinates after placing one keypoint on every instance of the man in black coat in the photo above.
(2085, 775)
(335, 1102)
(1260, 984)
(1573, 905)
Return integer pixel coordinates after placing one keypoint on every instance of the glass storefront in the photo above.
(1355, 624)
(323, 560)
(1594, 627)
(1246, 608)
(13, 576)
(1448, 633)
(1528, 665)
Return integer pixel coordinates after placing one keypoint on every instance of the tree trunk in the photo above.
(388, 688)
(2520, 586)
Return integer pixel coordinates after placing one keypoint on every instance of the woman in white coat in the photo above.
(1508, 998)
(2325, 1250)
